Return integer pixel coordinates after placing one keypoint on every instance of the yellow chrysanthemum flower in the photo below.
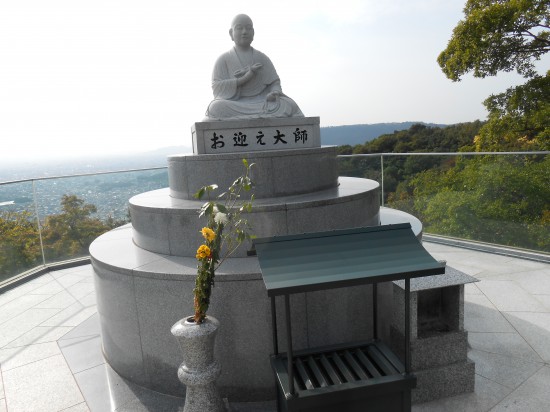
(208, 234)
(203, 252)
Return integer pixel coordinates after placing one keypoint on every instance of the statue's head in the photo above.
(242, 30)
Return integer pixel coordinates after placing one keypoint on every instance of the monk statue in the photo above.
(245, 83)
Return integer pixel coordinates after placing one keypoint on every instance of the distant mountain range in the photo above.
(331, 136)
(360, 133)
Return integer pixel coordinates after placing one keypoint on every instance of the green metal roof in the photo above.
(324, 260)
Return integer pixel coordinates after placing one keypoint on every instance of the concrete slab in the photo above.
(472, 289)
(22, 290)
(101, 380)
(15, 357)
(47, 386)
(69, 279)
(39, 334)
(532, 395)
(82, 353)
(535, 329)
(508, 344)
(507, 296)
(90, 327)
(505, 370)
(480, 315)
(60, 300)
(23, 323)
(50, 288)
(544, 300)
(81, 289)
(2, 395)
(71, 316)
(537, 282)
(81, 407)
(486, 394)
(19, 305)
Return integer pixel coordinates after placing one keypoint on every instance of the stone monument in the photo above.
(145, 271)
(245, 82)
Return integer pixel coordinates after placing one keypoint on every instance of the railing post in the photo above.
(38, 221)
(382, 177)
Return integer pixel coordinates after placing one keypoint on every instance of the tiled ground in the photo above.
(50, 356)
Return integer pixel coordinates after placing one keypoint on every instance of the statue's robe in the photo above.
(249, 100)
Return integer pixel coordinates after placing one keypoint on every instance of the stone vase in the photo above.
(199, 369)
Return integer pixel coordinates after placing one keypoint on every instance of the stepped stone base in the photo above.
(439, 343)
(444, 381)
(171, 226)
(440, 363)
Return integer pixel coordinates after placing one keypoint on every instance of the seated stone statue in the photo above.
(245, 82)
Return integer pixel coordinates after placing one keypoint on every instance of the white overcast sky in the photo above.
(81, 77)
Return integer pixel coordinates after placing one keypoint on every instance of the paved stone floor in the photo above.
(50, 355)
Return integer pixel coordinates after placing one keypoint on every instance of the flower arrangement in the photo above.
(224, 232)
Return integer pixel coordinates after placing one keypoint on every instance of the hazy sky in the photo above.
(107, 76)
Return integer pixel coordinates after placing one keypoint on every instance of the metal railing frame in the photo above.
(38, 179)
(33, 181)
(382, 155)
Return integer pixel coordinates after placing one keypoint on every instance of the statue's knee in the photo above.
(215, 107)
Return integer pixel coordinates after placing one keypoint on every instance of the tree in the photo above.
(19, 243)
(519, 119)
(65, 235)
(70, 233)
(503, 36)
(498, 35)
(501, 200)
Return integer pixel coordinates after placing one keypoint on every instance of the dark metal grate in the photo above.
(342, 366)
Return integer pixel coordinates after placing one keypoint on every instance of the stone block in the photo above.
(434, 351)
(444, 381)
(249, 135)
(280, 173)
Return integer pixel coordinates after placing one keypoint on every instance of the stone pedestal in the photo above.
(145, 272)
(199, 369)
(439, 343)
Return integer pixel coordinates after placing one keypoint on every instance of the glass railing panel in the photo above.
(366, 167)
(494, 198)
(500, 199)
(19, 237)
(73, 211)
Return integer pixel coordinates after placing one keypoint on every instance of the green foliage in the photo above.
(503, 200)
(65, 235)
(70, 233)
(224, 232)
(519, 119)
(19, 243)
(498, 35)
(502, 36)
(419, 138)
(498, 199)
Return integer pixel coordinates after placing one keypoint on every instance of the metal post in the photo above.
(382, 178)
(38, 222)
(289, 346)
(274, 327)
(375, 310)
(407, 326)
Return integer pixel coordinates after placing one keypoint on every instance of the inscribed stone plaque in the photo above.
(235, 136)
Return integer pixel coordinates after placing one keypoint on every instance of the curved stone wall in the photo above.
(145, 272)
(171, 226)
(277, 173)
(140, 295)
